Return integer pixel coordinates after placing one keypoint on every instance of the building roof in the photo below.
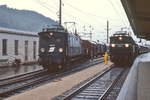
(17, 32)
(138, 12)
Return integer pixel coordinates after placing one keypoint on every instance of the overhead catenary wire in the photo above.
(123, 11)
(66, 16)
(48, 7)
(116, 10)
(87, 13)
(93, 15)
(50, 10)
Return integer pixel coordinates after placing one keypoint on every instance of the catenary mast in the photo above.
(60, 12)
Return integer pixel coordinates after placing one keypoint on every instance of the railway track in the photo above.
(99, 87)
(13, 79)
(8, 86)
(16, 84)
(112, 95)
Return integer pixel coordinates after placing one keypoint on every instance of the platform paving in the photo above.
(57, 87)
(143, 85)
(137, 83)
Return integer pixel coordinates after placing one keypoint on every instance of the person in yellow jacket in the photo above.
(106, 58)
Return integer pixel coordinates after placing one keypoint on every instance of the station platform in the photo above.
(59, 86)
(6, 72)
(137, 84)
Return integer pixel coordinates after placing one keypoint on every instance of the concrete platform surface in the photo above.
(55, 88)
(137, 83)
(143, 85)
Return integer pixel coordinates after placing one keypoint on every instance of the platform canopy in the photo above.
(138, 12)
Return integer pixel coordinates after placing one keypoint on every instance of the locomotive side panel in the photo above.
(74, 46)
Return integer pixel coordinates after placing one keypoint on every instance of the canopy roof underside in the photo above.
(138, 12)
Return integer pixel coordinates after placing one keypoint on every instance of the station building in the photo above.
(16, 44)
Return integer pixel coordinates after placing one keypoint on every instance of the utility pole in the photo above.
(73, 24)
(60, 12)
(107, 30)
(90, 34)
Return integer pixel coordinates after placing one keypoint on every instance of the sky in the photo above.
(89, 15)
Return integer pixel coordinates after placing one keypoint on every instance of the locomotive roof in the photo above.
(126, 38)
(58, 29)
(121, 33)
(54, 29)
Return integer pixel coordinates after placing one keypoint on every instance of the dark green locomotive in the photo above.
(58, 48)
(123, 48)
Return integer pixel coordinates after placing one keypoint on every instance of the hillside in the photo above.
(23, 19)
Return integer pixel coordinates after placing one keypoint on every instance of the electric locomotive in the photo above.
(57, 48)
(123, 48)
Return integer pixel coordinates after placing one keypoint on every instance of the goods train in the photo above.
(123, 48)
(58, 48)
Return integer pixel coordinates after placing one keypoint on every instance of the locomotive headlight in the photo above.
(42, 50)
(51, 33)
(60, 49)
(126, 45)
(113, 45)
(120, 38)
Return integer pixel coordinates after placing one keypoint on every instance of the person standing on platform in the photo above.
(106, 58)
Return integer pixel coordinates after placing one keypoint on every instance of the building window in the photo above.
(34, 49)
(16, 47)
(4, 47)
(26, 50)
